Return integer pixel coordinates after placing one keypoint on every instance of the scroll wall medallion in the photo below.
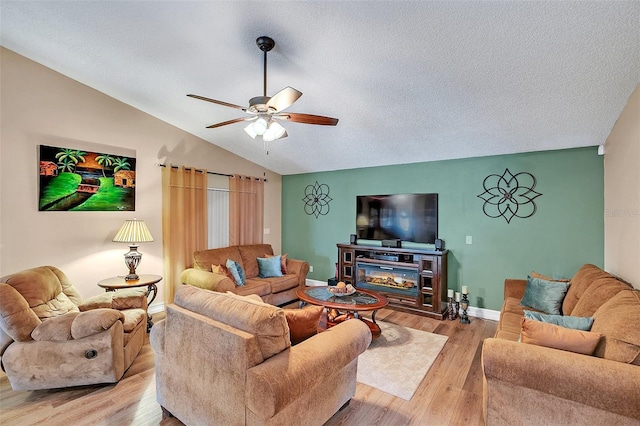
(509, 195)
(316, 199)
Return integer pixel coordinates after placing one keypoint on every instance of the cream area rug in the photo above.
(397, 361)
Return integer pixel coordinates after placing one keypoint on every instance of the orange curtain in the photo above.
(184, 222)
(246, 210)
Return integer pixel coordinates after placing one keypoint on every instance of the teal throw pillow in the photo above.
(269, 266)
(576, 323)
(545, 296)
(236, 270)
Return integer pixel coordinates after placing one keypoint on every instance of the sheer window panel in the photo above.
(218, 220)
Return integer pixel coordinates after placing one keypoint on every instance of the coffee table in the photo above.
(361, 300)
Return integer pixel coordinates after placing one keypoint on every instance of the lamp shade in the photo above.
(133, 231)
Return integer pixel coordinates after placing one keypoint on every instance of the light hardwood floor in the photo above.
(450, 394)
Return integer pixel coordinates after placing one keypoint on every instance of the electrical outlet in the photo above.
(469, 239)
(310, 268)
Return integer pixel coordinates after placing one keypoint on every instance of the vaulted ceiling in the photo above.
(410, 81)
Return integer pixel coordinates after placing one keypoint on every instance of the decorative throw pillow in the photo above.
(543, 295)
(303, 323)
(576, 323)
(236, 270)
(553, 336)
(269, 267)
(283, 263)
(222, 270)
(534, 274)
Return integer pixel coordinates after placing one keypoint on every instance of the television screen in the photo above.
(407, 217)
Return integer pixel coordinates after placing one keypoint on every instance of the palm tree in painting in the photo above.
(121, 164)
(105, 160)
(66, 165)
(69, 158)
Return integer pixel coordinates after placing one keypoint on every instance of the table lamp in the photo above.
(133, 231)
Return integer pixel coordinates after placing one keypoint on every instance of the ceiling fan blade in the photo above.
(307, 118)
(235, 120)
(284, 98)
(202, 98)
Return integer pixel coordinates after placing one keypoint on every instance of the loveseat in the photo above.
(531, 384)
(224, 359)
(51, 338)
(276, 290)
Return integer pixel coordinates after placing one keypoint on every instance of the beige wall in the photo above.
(622, 194)
(40, 106)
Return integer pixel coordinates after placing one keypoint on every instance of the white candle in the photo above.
(457, 296)
(465, 289)
(450, 293)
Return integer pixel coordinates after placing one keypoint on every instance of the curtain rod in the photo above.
(198, 170)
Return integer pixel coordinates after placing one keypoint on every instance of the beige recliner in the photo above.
(224, 359)
(49, 338)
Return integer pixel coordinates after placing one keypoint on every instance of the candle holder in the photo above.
(452, 312)
(464, 304)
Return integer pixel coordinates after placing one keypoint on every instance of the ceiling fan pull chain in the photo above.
(266, 147)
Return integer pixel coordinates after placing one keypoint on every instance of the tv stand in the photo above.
(412, 280)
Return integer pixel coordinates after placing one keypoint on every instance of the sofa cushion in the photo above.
(545, 296)
(258, 286)
(596, 295)
(617, 319)
(283, 283)
(203, 259)
(303, 323)
(576, 323)
(269, 267)
(266, 322)
(250, 254)
(585, 276)
(554, 336)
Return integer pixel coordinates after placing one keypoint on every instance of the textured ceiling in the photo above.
(410, 81)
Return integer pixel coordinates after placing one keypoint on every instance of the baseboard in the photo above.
(472, 311)
(484, 313)
(315, 283)
(156, 308)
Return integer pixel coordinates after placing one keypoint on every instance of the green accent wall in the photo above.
(566, 231)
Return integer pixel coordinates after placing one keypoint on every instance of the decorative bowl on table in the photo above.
(342, 290)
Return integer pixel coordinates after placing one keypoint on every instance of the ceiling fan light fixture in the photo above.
(275, 131)
(250, 131)
(260, 126)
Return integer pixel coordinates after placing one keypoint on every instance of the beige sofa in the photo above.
(224, 359)
(526, 384)
(273, 290)
(50, 338)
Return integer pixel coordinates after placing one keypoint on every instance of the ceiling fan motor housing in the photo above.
(265, 43)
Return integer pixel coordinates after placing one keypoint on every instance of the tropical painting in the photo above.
(76, 180)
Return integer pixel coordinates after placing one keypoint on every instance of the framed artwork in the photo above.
(76, 180)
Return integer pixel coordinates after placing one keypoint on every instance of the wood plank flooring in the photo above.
(450, 394)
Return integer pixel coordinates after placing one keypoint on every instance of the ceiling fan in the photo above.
(265, 112)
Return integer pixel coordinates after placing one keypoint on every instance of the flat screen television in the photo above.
(407, 217)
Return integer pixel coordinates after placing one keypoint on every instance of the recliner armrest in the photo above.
(207, 280)
(279, 380)
(129, 298)
(76, 325)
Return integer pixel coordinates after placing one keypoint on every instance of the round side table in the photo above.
(144, 280)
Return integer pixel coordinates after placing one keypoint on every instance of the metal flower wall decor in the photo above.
(509, 195)
(316, 199)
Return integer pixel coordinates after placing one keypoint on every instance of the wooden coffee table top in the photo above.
(361, 300)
